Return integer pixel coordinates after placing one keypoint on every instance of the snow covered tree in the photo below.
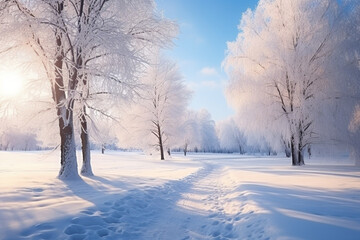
(197, 132)
(230, 136)
(104, 133)
(13, 139)
(343, 98)
(89, 52)
(277, 69)
(141, 30)
(209, 141)
(190, 132)
(161, 104)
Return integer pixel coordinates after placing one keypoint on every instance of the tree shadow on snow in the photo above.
(250, 211)
(308, 214)
(328, 170)
(131, 214)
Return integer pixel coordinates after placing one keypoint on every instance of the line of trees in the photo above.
(294, 74)
(294, 78)
(90, 53)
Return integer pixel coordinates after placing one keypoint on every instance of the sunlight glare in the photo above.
(11, 84)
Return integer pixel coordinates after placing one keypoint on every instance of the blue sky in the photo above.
(205, 27)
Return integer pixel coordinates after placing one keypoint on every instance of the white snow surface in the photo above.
(201, 196)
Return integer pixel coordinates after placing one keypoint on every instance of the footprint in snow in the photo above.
(116, 214)
(215, 222)
(215, 234)
(231, 235)
(74, 229)
(102, 232)
(212, 215)
(229, 227)
(88, 221)
(111, 219)
(77, 237)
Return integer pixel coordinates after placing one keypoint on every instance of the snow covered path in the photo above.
(210, 208)
(201, 197)
(199, 206)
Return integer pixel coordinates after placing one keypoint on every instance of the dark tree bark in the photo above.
(160, 142)
(86, 169)
(103, 148)
(287, 148)
(241, 150)
(300, 151)
(79, 75)
(68, 162)
(185, 149)
(68, 168)
(293, 151)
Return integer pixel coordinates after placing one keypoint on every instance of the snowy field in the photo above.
(203, 196)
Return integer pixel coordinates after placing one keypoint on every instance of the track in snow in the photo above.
(204, 205)
(212, 208)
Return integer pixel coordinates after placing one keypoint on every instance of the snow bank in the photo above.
(203, 196)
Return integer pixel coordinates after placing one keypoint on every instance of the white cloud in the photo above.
(209, 71)
(192, 85)
(195, 86)
(210, 84)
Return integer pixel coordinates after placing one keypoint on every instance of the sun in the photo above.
(11, 84)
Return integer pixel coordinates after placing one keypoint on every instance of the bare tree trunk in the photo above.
(68, 168)
(293, 151)
(160, 143)
(301, 147)
(103, 148)
(185, 149)
(78, 74)
(86, 164)
(301, 158)
(356, 155)
(161, 151)
(287, 149)
(68, 162)
(297, 156)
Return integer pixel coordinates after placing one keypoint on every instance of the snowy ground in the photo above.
(199, 197)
